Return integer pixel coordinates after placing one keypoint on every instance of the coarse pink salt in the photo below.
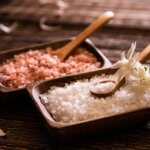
(32, 66)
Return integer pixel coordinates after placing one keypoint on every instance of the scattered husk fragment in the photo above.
(2, 133)
(7, 29)
(45, 27)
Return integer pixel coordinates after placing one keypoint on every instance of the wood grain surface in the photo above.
(18, 117)
(129, 13)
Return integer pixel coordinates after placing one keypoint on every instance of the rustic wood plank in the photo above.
(129, 13)
(107, 39)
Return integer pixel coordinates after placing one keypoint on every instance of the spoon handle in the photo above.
(99, 23)
(144, 55)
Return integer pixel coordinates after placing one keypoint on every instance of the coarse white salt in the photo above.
(103, 87)
(74, 102)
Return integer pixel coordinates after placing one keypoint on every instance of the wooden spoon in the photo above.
(115, 85)
(63, 52)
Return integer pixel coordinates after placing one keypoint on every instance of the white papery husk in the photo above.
(2, 133)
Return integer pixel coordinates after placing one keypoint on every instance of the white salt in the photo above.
(74, 102)
(103, 87)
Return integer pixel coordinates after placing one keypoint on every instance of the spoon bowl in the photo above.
(108, 88)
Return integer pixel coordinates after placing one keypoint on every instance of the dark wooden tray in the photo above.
(55, 45)
(65, 131)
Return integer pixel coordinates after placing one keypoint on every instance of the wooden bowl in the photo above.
(4, 55)
(65, 131)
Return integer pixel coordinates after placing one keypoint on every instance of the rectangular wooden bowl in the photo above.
(4, 55)
(65, 131)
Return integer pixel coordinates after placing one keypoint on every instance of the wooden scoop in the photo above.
(63, 52)
(115, 85)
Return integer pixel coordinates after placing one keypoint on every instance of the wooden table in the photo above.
(18, 118)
